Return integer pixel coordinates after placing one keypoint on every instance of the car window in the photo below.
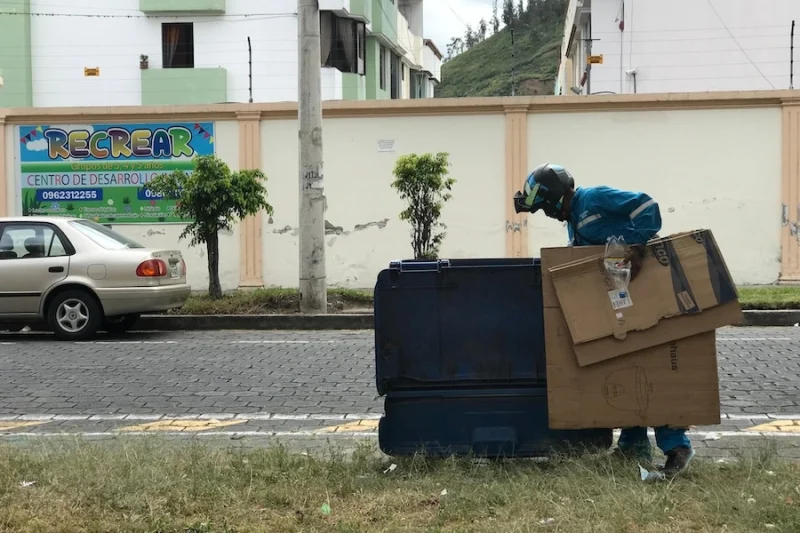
(27, 241)
(103, 236)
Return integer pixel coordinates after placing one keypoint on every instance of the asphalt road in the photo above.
(295, 383)
(296, 373)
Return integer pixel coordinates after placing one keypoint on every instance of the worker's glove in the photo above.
(635, 257)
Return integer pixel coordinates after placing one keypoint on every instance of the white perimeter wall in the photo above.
(715, 169)
(362, 203)
(63, 46)
(704, 168)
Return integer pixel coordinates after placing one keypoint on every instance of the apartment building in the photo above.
(167, 52)
(655, 46)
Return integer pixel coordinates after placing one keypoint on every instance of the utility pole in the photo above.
(313, 281)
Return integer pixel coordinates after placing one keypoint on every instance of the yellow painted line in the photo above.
(182, 425)
(783, 426)
(5, 426)
(355, 426)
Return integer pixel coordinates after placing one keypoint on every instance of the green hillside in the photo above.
(484, 69)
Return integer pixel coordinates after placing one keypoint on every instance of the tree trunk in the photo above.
(212, 247)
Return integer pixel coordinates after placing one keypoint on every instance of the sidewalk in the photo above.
(316, 432)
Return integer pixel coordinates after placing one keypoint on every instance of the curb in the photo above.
(788, 317)
(273, 322)
(364, 321)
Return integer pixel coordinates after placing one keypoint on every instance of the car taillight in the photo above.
(152, 268)
(183, 267)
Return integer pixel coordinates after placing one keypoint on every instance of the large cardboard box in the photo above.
(684, 289)
(673, 383)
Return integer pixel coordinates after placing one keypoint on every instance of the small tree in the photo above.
(508, 11)
(422, 182)
(212, 198)
(495, 19)
(483, 30)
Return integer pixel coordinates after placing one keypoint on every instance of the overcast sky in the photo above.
(444, 19)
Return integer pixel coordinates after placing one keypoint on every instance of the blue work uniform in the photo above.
(596, 215)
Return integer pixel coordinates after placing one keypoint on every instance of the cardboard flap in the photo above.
(670, 329)
(680, 275)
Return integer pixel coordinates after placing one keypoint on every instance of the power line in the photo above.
(675, 30)
(711, 51)
(450, 7)
(144, 16)
(711, 5)
(293, 41)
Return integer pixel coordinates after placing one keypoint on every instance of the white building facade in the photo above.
(170, 52)
(659, 46)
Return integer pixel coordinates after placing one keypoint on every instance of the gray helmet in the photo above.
(544, 189)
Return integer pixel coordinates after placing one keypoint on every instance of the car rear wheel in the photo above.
(119, 324)
(74, 315)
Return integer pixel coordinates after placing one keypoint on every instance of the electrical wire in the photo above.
(682, 30)
(145, 16)
(711, 5)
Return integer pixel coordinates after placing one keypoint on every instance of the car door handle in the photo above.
(55, 269)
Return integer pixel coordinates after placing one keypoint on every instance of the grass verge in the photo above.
(770, 298)
(271, 301)
(152, 486)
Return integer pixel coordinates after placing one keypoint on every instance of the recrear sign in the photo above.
(99, 172)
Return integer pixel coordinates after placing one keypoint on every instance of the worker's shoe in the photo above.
(678, 460)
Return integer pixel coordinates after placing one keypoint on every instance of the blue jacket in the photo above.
(599, 213)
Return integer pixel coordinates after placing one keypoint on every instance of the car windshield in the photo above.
(103, 236)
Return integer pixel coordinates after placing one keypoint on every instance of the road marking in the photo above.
(778, 426)
(126, 342)
(181, 425)
(345, 434)
(355, 426)
(768, 416)
(5, 426)
(753, 339)
(219, 416)
(276, 416)
(284, 342)
(113, 434)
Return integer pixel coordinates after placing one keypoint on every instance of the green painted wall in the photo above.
(354, 86)
(384, 19)
(15, 54)
(373, 70)
(362, 8)
(193, 6)
(173, 86)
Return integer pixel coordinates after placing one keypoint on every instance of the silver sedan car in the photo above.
(80, 277)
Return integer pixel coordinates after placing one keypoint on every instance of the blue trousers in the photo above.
(666, 438)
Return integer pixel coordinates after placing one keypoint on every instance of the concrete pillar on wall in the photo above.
(516, 171)
(790, 229)
(251, 273)
(3, 177)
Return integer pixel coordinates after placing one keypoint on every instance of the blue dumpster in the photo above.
(497, 422)
(459, 322)
(460, 359)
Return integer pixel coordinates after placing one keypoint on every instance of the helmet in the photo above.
(544, 189)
